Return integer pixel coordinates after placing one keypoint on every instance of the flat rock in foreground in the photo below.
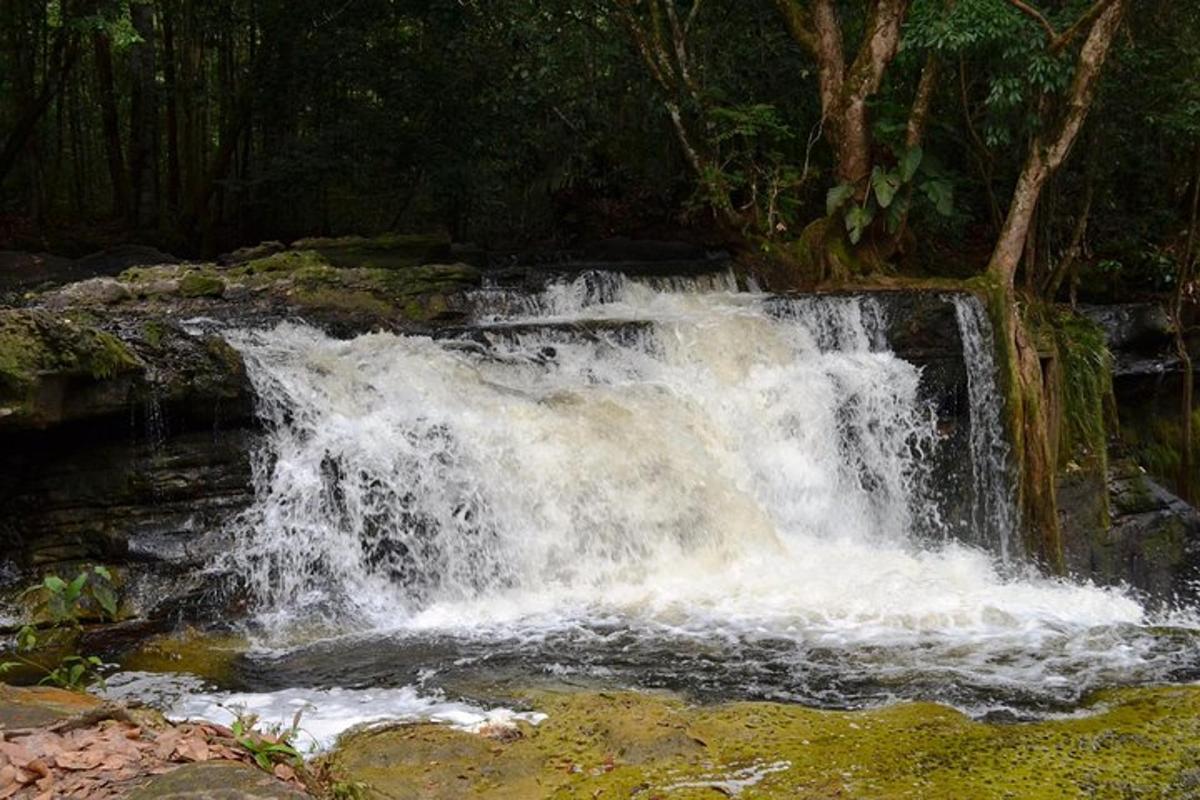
(215, 780)
(1139, 743)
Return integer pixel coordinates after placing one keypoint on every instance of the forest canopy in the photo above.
(202, 126)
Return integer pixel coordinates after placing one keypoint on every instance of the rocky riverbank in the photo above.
(1127, 743)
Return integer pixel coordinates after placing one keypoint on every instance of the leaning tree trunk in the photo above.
(1026, 392)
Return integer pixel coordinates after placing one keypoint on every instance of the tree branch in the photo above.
(1037, 17)
(878, 48)
(1057, 41)
(691, 17)
(796, 18)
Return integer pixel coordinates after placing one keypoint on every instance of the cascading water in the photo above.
(993, 510)
(416, 472)
(702, 489)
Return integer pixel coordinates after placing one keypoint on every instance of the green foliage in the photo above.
(268, 747)
(889, 190)
(64, 604)
(1086, 387)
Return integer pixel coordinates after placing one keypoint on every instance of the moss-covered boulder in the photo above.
(53, 368)
(197, 284)
(1137, 743)
(393, 251)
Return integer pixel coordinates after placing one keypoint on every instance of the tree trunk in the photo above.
(170, 85)
(143, 139)
(1026, 393)
(1185, 484)
(109, 122)
(845, 91)
(63, 59)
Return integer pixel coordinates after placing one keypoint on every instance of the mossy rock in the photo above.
(285, 262)
(41, 353)
(198, 284)
(393, 251)
(1138, 743)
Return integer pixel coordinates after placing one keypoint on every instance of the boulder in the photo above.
(91, 292)
(216, 780)
(1149, 541)
(393, 251)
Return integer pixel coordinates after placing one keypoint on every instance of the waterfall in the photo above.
(690, 428)
(993, 510)
(670, 482)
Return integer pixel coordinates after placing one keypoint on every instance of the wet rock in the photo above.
(36, 706)
(92, 292)
(127, 446)
(54, 369)
(1143, 326)
(216, 780)
(1151, 540)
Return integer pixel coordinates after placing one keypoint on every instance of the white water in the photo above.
(690, 466)
(993, 510)
(322, 714)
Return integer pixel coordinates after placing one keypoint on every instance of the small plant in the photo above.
(274, 745)
(64, 604)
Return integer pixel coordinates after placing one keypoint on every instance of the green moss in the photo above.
(1154, 441)
(199, 284)
(288, 261)
(1135, 496)
(1166, 543)
(1140, 743)
(1086, 387)
(34, 344)
(393, 251)
(153, 333)
(337, 299)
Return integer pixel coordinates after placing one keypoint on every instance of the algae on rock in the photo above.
(1138, 742)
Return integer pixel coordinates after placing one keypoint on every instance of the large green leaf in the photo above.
(941, 193)
(106, 597)
(909, 163)
(895, 213)
(858, 218)
(885, 183)
(836, 197)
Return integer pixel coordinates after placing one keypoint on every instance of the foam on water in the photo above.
(324, 714)
(703, 465)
